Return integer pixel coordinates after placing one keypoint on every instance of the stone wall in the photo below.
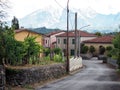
(22, 77)
(2, 78)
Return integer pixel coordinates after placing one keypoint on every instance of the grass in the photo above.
(38, 64)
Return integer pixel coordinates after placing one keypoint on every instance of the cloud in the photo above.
(22, 8)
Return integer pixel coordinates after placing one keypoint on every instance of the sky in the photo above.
(21, 8)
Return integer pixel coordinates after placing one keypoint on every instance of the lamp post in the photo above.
(79, 40)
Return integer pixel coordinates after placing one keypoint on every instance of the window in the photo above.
(46, 41)
(73, 41)
(72, 52)
(58, 41)
(64, 51)
(64, 41)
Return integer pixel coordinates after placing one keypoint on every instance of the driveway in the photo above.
(94, 76)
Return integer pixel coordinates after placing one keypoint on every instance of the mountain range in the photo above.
(53, 18)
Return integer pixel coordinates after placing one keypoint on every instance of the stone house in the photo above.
(62, 40)
(99, 41)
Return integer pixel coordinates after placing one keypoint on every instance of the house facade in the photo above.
(104, 41)
(21, 34)
(81, 36)
(50, 39)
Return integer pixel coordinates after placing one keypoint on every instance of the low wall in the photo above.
(21, 77)
(75, 63)
(112, 62)
(2, 78)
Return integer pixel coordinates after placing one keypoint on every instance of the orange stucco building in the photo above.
(21, 34)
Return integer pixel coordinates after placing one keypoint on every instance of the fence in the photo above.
(112, 62)
(75, 63)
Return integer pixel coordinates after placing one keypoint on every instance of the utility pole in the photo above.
(67, 52)
(75, 36)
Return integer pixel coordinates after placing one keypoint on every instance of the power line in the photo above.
(72, 24)
(59, 4)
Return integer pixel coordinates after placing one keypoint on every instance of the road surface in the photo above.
(94, 76)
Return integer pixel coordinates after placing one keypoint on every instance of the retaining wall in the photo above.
(21, 77)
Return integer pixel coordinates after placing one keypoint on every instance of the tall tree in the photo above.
(15, 23)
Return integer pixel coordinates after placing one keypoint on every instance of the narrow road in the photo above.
(95, 76)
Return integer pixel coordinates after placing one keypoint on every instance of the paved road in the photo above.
(95, 76)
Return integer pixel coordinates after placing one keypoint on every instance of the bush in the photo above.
(109, 48)
(47, 58)
(57, 58)
(92, 49)
(101, 50)
(46, 51)
(84, 49)
(57, 50)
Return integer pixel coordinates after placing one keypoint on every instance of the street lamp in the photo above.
(79, 40)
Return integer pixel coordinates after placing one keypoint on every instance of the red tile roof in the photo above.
(52, 33)
(81, 33)
(102, 39)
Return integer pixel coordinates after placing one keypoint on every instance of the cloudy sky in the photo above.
(21, 8)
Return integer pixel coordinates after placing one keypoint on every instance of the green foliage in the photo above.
(47, 58)
(57, 50)
(15, 52)
(32, 49)
(101, 50)
(46, 51)
(58, 58)
(109, 51)
(92, 49)
(116, 43)
(98, 34)
(109, 48)
(84, 49)
(15, 23)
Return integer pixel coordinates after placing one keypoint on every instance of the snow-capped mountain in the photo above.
(53, 18)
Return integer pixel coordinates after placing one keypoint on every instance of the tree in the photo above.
(116, 43)
(15, 23)
(6, 42)
(92, 49)
(11, 51)
(33, 49)
(98, 34)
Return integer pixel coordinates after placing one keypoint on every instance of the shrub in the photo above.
(109, 48)
(46, 51)
(57, 58)
(84, 49)
(101, 50)
(92, 49)
(57, 50)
